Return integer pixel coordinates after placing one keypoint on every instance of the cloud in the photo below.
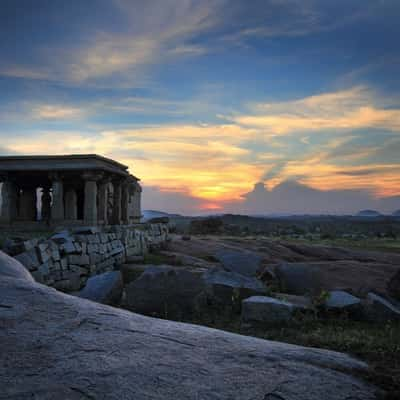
(206, 162)
(156, 198)
(348, 110)
(47, 111)
(291, 197)
(149, 34)
(277, 19)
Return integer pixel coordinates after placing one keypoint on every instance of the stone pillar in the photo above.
(27, 205)
(8, 201)
(57, 204)
(117, 194)
(46, 204)
(90, 200)
(125, 203)
(137, 212)
(71, 205)
(102, 211)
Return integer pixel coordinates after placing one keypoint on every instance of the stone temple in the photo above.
(67, 190)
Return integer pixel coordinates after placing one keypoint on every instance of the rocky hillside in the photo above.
(53, 345)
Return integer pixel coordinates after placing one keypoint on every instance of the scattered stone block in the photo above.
(298, 278)
(341, 300)
(393, 286)
(378, 309)
(69, 282)
(300, 302)
(79, 259)
(86, 230)
(165, 291)
(241, 262)
(266, 310)
(228, 288)
(28, 259)
(61, 237)
(68, 247)
(104, 288)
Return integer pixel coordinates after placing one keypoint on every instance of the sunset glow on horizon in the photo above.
(216, 105)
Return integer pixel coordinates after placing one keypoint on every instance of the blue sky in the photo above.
(205, 99)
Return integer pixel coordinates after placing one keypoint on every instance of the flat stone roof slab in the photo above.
(71, 162)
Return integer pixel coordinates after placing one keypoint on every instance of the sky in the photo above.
(257, 107)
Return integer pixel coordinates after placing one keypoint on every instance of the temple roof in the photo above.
(70, 162)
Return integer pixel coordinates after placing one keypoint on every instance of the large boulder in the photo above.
(393, 286)
(10, 267)
(227, 288)
(105, 288)
(264, 310)
(165, 291)
(53, 345)
(341, 300)
(298, 278)
(241, 262)
(379, 309)
(131, 272)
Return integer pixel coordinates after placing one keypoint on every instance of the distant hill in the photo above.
(396, 213)
(148, 214)
(369, 213)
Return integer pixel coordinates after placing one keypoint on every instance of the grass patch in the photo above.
(386, 245)
(160, 259)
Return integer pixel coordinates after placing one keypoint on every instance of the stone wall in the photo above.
(67, 259)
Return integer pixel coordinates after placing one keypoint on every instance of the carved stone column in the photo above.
(9, 201)
(102, 211)
(46, 204)
(125, 203)
(117, 194)
(137, 212)
(71, 205)
(90, 200)
(27, 205)
(57, 204)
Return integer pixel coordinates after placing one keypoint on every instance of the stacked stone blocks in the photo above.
(66, 260)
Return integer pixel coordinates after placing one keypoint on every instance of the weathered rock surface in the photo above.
(225, 287)
(53, 345)
(12, 269)
(301, 302)
(298, 278)
(377, 309)
(105, 288)
(241, 262)
(165, 291)
(394, 286)
(341, 300)
(131, 272)
(267, 310)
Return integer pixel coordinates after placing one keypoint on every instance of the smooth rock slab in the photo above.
(226, 287)
(55, 346)
(378, 309)
(165, 291)
(266, 310)
(341, 300)
(394, 286)
(241, 262)
(104, 288)
(298, 278)
(131, 272)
